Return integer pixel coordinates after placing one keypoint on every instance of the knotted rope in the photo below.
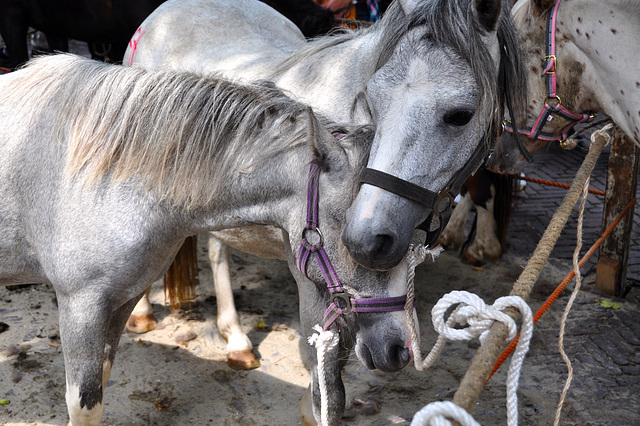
(475, 378)
(478, 317)
(324, 341)
(436, 414)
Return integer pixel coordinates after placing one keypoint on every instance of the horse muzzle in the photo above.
(380, 240)
(382, 353)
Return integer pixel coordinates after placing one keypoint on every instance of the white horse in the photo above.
(427, 72)
(104, 170)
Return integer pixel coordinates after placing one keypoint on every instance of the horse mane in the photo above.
(450, 24)
(180, 133)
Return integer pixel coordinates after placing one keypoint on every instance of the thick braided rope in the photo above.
(324, 342)
(576, 269)
(478, 317)
(474, 380)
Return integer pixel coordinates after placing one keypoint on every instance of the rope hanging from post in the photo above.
(574, 294)
(473, 313)
(473, 381)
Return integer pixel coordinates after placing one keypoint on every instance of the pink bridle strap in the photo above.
(555, 107)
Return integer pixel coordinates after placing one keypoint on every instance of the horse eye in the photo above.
(458, 118)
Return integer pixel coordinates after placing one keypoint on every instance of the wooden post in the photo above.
(622, 181)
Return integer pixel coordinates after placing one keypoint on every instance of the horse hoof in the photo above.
(141, 323)
(306, 410)
(243, 360)
(471, 260)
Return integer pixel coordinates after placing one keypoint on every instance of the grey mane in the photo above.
(174, 131)
(448, 24)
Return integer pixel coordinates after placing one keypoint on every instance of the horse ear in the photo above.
(327, 150)
(488, 13)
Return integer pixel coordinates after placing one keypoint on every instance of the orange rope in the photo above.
(505, 354)
(556, 184)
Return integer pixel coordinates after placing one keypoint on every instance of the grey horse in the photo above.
(434, 74)
(104, 170)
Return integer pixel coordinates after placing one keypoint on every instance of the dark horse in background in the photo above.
(107, 25)
(97, 22)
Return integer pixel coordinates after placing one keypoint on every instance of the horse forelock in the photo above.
(451, 24)
(180, 134)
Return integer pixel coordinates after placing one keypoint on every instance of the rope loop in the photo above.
(437, 413)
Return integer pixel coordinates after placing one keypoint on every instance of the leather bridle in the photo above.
(341, 301)
(552, 103)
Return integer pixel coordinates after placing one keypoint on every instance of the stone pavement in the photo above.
(537, 204)
(603, 343)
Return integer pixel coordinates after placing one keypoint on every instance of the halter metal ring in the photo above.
(443, 195)
(556, 98)
(308, 242)
(342, 301)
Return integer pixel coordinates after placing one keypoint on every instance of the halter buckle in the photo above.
(551, 69)
(442, 195)
(342, 301)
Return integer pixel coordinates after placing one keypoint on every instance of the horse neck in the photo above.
(596, 41)
(270, 192)
(330, 79)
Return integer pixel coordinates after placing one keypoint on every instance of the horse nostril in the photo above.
(401, 356)
(383, 246)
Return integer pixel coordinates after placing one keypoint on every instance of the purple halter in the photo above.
(555, 107)
(341, 302)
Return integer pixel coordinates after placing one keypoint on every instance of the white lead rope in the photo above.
(478, 317)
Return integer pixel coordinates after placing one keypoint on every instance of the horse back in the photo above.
(224, 35)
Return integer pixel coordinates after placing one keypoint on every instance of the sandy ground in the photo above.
(177, 374)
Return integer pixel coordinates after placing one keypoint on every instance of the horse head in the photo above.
(359, 302)
(436, 98)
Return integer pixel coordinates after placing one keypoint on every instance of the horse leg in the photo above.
(486, 242)
(57, 43)
(453, 234)
(142, 318)
(89, 333)
(240, 353)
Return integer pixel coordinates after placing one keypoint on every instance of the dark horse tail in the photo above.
(503, 203)
(180, 279)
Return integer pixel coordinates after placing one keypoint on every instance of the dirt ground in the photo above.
(177, 374)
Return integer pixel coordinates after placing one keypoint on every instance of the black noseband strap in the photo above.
(398, 186)
(433, 201)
